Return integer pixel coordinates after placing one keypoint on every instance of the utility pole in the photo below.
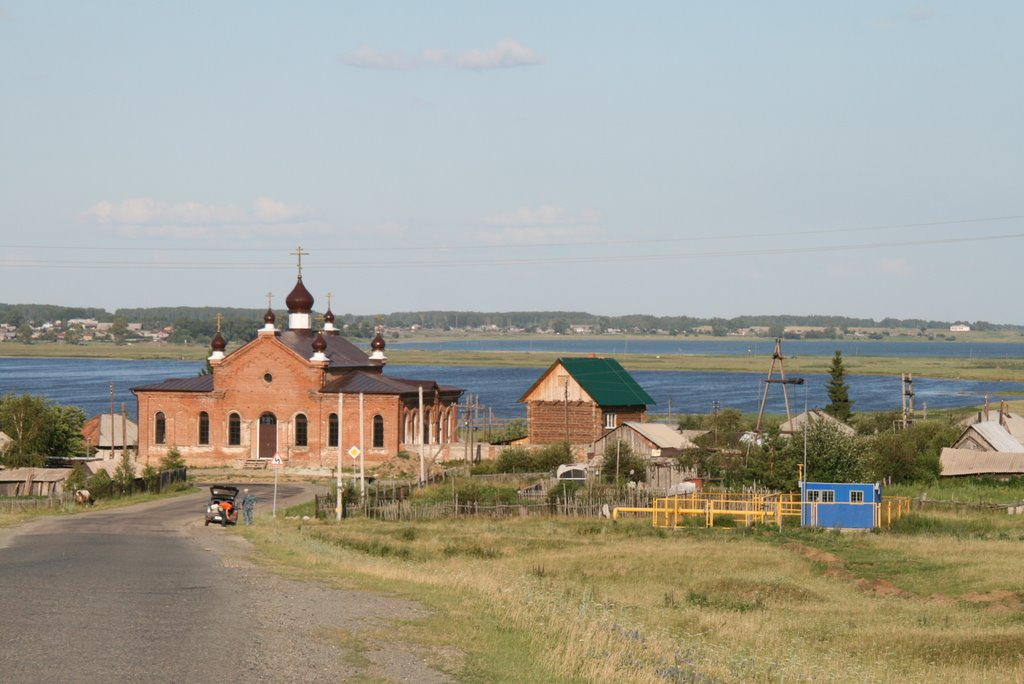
(111, 420)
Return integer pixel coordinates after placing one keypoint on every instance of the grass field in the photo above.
(935, 367)
(546, 600)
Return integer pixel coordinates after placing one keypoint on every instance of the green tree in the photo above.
(124, 474)
(39, 430)
(25, 333)
(911, 454)
(622, 464)
(173, 460)
(119, 330)
(839, 405)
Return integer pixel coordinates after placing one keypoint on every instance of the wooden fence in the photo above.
(109, 490)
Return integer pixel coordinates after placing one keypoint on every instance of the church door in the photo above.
(268, 435)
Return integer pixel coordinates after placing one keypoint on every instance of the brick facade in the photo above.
(280, 394)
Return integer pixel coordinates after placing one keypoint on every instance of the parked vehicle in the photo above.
(222, 508)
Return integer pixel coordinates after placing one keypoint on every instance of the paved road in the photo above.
(142, 593)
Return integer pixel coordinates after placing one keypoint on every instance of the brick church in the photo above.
(297, 393)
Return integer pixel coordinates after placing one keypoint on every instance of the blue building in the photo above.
(840, 505)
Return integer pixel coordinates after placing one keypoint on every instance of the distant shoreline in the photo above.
(992, 369)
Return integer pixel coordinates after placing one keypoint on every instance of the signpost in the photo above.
(355, 452)
(276, 463)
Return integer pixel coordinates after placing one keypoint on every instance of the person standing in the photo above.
(248, 506)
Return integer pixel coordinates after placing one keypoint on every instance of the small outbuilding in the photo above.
(814, 416)
(33, 481)
(840, 505)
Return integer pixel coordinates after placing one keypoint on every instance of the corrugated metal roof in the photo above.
(35, 474)
(199, 383)
(959, 462)
(98, 428)
(606, 381)
(664, 436)
(997, 436)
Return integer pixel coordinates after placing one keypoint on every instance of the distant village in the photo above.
(85, 330)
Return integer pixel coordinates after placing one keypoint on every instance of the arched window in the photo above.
(378, 432)
(301, 431)
(332, 430)
(234, 430)
(160, 428)
(204, 427)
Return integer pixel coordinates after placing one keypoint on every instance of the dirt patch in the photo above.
(881, 587)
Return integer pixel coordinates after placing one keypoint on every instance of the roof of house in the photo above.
(97, 430)
(959, 462)
(607, 382)
(664, 436)
(35, 474)
(340, 352)
(796, 423)
(996, 435)
(376, 383)
(1014, 422)
(199, 383)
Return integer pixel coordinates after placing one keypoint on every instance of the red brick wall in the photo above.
(240, 387)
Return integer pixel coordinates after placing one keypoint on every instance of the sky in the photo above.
(704, 159)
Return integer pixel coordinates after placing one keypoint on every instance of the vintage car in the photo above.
(222, 508)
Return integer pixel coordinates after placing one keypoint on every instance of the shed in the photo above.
(579, 400)
(840, 505)
(968, 462)
(33, 481)
(989, 435)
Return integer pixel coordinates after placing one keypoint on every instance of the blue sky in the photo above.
(673, 158)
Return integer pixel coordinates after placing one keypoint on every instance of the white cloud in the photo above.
(505, 54)
(144, 216)
(895, 267)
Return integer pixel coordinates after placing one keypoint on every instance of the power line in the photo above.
(430, 247)
(436, 263)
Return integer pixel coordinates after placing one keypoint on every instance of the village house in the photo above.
(988, 445)
(659, 445)
(303, 396)
(797, 423)
(579, 400)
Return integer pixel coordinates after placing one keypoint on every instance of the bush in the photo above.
(631, 467)
(566, 489)
(514, 459)
(173, 460)
(552, 456)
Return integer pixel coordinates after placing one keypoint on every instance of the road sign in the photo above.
(354, 452)
(276, 461)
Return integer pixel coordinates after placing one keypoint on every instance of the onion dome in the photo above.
(377, 344)
(319, 343)
(219, 344)
(299, 300)
(269, 317)
(329, 316)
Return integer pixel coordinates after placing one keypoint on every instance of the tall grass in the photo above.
(591, 601)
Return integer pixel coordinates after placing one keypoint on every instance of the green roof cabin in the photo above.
(579, 400)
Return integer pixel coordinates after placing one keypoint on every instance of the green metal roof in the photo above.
(606, 382)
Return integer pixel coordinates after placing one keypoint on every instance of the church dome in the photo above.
(299, 300)
(319, 343)
(377, 344)
(269, 317)
(218, 344)
(328, 316)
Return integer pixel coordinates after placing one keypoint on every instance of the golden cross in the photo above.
(329, 301)
(380, 322)
(219, 319)
(270, 296)
(299, 253)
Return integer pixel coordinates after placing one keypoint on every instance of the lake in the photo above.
(665, 346)
(86, 383)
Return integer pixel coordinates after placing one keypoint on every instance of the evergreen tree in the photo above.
(839, 405)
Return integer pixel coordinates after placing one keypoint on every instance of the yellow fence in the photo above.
(749, 509)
